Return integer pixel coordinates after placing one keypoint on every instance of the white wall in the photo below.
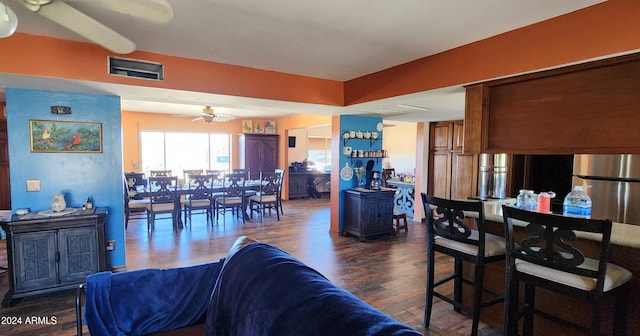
(298, 153)
(400, 143)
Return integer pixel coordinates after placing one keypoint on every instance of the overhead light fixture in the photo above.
(413, 107)
(8, 21)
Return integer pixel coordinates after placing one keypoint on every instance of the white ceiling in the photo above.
(332, 39)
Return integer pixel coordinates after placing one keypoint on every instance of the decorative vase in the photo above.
(57, 203)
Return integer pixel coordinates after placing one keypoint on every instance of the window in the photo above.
(179, 151)
(319, 153)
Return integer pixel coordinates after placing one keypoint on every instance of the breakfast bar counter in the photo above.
(403, 200)
(625, 247)
(627, 235)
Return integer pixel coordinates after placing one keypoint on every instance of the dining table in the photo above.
(141, 192)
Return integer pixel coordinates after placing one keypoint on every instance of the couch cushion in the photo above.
(149, 300)
(262, 290)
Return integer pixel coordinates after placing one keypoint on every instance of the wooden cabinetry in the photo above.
(368, 213)
(259, 153)
(5, 189)
(298, 185)
(452, 174)
(48, 254)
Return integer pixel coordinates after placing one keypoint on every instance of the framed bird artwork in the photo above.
(49, 136)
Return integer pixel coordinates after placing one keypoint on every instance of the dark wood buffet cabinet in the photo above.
(48, 254)
(368, 213)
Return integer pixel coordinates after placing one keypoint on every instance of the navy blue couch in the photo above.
(257, 290)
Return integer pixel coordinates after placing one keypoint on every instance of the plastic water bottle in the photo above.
(521, 200)
(577, 203)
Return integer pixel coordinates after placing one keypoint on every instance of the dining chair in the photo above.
(134, 179)
(232, 197)
(247, 176)
(449, 232)
(164, 199)
(134, 208)
(186, 173)
(199, 197)
(549, 255)
(267, 198)
(156, 173)
(218, 174)
(280, 173)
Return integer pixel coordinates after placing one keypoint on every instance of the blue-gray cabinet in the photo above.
(368, 213)
(48, 254)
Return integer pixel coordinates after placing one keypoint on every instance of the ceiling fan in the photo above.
(76, 21)
(208, 116)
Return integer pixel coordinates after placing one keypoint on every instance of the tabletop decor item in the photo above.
(58, 203)
(48, 136)
(359, 171)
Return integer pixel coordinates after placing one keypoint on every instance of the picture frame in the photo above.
(247, 126)
(270, 127)
(258, 127)
(51, 136)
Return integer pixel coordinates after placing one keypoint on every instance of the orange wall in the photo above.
(23, 54)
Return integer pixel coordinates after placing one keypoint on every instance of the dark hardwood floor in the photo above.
(387, 273)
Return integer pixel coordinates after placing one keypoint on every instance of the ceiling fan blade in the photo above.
(151, 10)
(198, 118)
(85, 26)
(223, 117)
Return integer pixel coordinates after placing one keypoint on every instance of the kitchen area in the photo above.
(563, 128)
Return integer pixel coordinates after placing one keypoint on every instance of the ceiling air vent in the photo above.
(136, 69)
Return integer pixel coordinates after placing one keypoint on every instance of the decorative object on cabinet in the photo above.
(69, 249)
(247, 126)
(368, 213)
(48, 136)
(259, 126)
(258, 152)
(58, 203)
(270, 127)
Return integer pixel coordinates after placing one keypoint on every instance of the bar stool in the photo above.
(547, 257)
(397, 216)
(448, 233)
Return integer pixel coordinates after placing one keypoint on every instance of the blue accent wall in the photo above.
(357, 123)
(77, 175)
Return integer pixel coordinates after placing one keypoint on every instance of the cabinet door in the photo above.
(35, 260)
(253, 156)
(5, 189)
(440, 172)
(441, 136)
(458, 136)
(464, 172)
(269, 153)
(78, 254)
(385, 213)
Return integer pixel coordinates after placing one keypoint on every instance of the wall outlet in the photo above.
(111, 245)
